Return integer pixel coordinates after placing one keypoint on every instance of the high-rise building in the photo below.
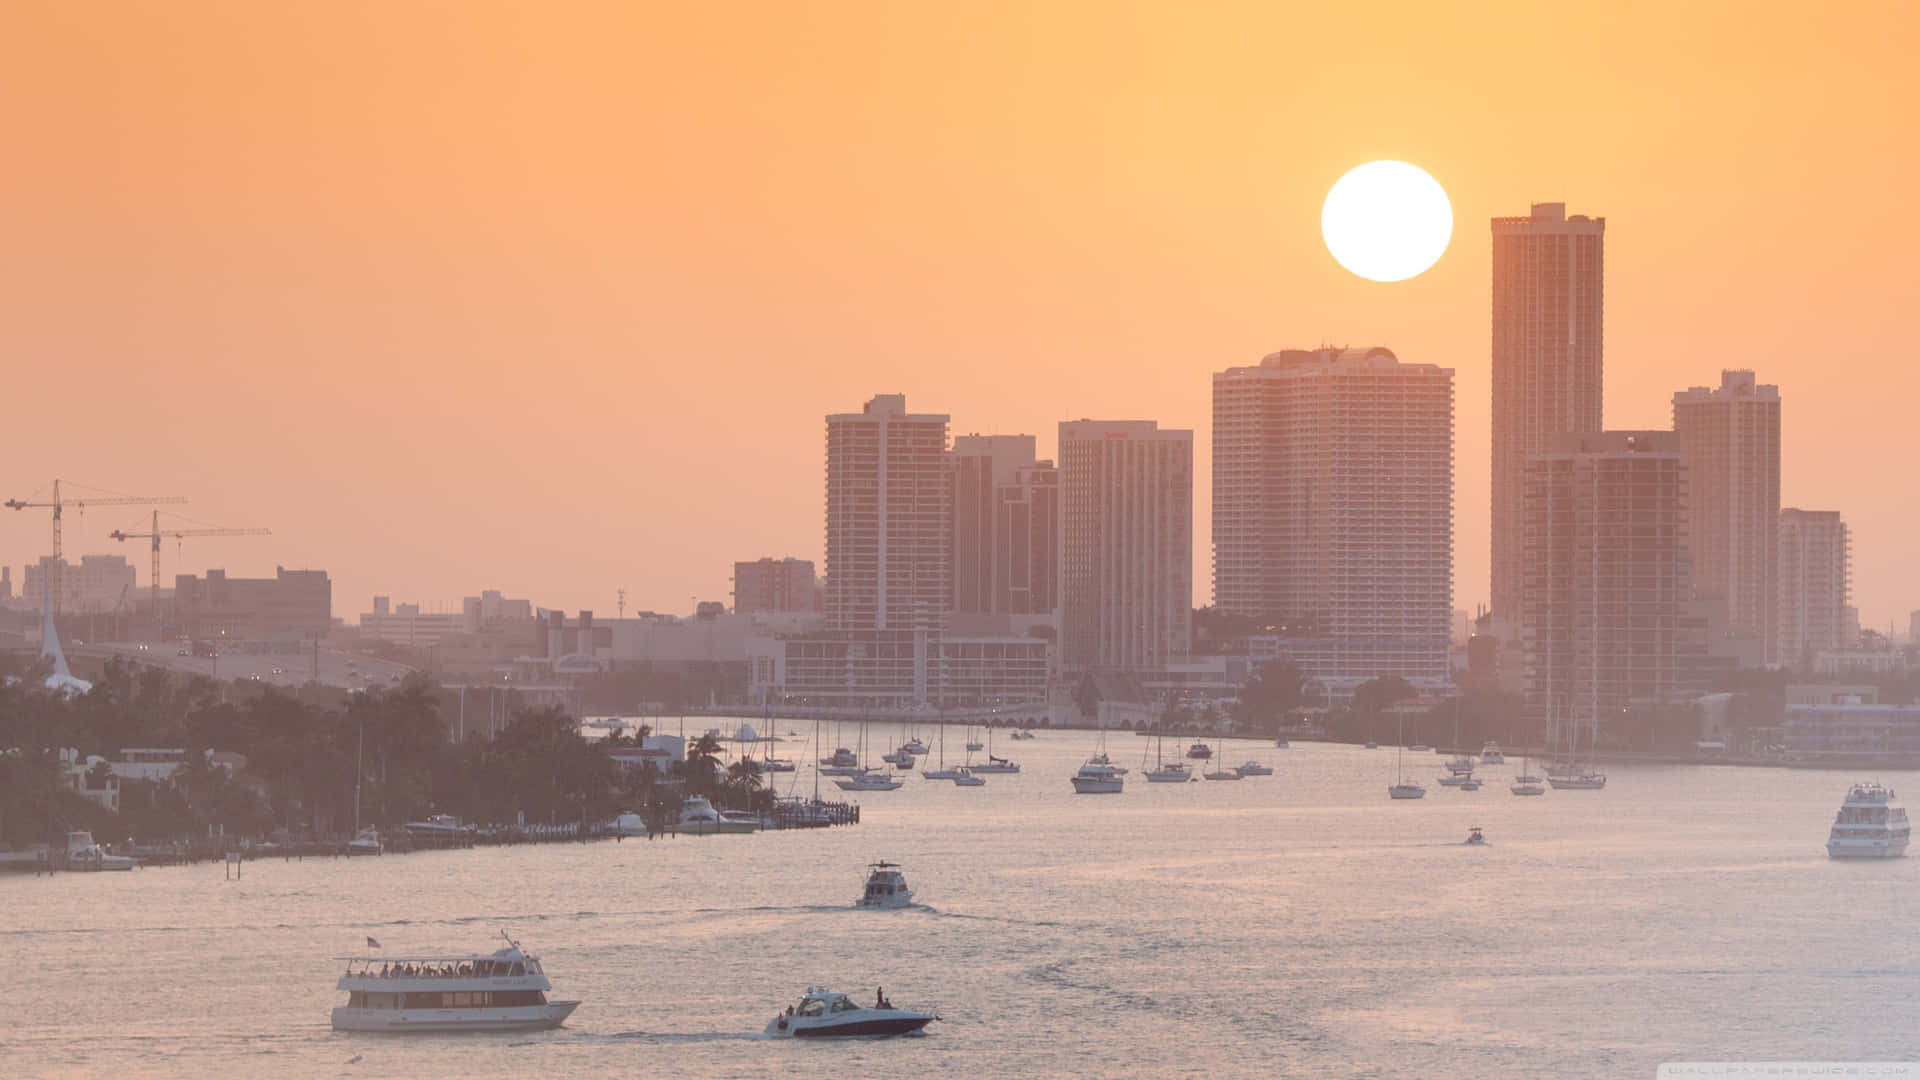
(1333, 510)
(1731, 436)
(1814, 611)
(1607, 614)
(1126, 545)
(1005, 526)
(889, 519)
(100, 583)
(771, 584)
(1547, 308)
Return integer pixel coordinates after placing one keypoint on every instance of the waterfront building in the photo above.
(1731, 436)
(1850, 732)
(1548, 273)
(770, 584)
(1814, 612)
(1608, 617)
(1126, 545)
(1333, 510)
(1006, 526)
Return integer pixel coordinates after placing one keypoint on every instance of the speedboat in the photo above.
(886, 887)
(698, 817)
(868, 781)
(963, 777)
(1098, 777)
(1407, 790)
(626, 823)
(997, 765)
(1173, 772)
(1473, 836)
(365, 842)
(1490, 754)
(1871, 823)
(825, 1014)
(1254, 768)
(1200, 751)
(84, 854)
(503, 991)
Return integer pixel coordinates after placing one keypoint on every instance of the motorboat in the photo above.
(1172, 772)
(997, 765)
(84, 854)
(1099, 777)
(1871, 823)
(1474, 836)
(626, 823)
(914, 746)
(1254, 768)
(502, 991)
(899, 759)
(963, 777)
(365, 842)
(1490, 754)
(886, 887)
(699, 818)
(868, 781)
(1102, 759)
(1469, 784)
(842, 762)
(1200, 751)
(826, 1014)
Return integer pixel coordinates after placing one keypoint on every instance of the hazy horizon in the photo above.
(555, 303)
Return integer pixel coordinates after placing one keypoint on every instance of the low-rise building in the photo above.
(1850, 733)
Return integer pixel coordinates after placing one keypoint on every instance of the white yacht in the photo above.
(1490, 754)
(868, 781)
(825, 1014)
(1099, 777)
(963, 777)
(365, 842)
(626, 823)
(1871, 824)
(504, 991)
(699, 818)
(84, 854)
(886, 887)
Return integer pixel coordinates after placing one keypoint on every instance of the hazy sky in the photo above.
(552, 298)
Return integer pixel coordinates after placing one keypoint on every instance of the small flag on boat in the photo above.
(372, 944)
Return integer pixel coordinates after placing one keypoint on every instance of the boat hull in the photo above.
(516, 1018)
(1579, 783)
(867, 1024)
(1399, 791)
(1155, 776)
(1083, 785)
(716, 828)
(1866, 849)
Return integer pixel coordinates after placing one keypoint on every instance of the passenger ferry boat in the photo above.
(504, 991)
(886, 887)
(1871, 824)
(823, 1013)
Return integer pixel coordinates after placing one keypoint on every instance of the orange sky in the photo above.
(552, 298)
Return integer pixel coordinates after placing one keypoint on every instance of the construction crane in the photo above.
(176, 535)
(105, 500)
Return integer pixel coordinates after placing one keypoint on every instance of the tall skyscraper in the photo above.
(1006, 523)
(773, 585)
(1731, 436)
(1547, 321)
(1814, 613)
(889, 519)
(1126, 545)
(1607, 613)
(1333, 509)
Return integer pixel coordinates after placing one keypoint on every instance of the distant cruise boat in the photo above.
(1871, 824)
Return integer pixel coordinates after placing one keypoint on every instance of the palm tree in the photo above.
(743, 779)
(703, 763)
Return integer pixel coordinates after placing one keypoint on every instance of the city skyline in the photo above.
(283, 289)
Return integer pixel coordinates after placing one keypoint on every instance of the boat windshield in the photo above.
(813, 1007)
(841, 1004)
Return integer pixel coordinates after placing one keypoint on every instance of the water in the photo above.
(1299, 925)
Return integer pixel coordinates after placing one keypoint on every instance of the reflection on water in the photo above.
(1299, 925)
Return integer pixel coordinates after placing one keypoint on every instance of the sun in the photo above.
(1387, 220)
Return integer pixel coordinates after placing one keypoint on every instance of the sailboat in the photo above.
(1569, 776)
(973, 744)
(942, 773)
(1526, 783)
(1223, 771)
(1164, 771)
(1403, 788)
(994, 764)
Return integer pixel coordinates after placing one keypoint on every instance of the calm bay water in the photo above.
(1298, 925)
